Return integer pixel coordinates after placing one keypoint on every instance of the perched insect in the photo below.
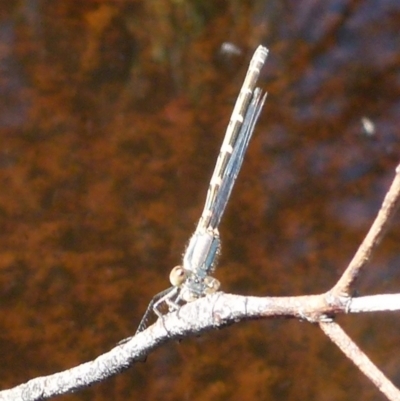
(193, 279)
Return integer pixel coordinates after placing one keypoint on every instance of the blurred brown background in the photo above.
(111, 118)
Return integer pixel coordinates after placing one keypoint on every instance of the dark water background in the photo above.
(111, 118)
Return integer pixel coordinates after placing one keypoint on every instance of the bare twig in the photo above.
(214, 311)
(372, 240)
(375, 303)
(350, 349)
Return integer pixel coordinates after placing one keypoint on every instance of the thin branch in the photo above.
(214, 311)
(363, 255)
(71, 380)
(350, 349)
(375, 303)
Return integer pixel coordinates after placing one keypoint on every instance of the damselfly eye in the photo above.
(212, 285)
(177, 276)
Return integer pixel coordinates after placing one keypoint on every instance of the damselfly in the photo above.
(193, 279)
